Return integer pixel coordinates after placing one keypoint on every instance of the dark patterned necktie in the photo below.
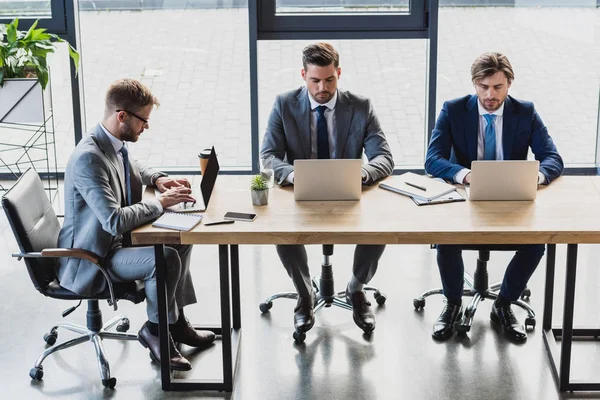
(322, 136)
(125, 155)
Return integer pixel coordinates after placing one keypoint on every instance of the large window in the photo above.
(555, 56)
(194, 60)
(392, 73)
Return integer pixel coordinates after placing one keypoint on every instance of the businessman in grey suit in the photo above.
(103, 203)
(322, 121)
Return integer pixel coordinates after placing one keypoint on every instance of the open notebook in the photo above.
(177, 221)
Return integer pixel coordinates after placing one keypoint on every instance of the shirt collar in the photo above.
(482, 111)
(117, 143)
(330, 104)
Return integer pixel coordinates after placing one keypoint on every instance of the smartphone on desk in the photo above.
(236, 216)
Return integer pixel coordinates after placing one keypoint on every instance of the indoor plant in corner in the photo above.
(24, 70)
(259, 190)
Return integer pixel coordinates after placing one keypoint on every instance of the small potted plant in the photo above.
(259, 190)
(24, 68)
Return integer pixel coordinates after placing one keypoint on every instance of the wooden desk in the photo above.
(568, 211)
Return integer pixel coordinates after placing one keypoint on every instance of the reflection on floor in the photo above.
(399, 361)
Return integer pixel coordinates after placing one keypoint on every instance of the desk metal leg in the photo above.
(229, 360)
(235, 287)
(549, 290)
(567, 328)
(163, 324)
(225, 317)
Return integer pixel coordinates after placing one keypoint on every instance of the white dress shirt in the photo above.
(117, 145)
(498, 125)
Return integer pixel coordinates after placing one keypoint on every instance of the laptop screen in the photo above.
(210, 176)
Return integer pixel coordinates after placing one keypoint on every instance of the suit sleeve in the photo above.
(92, 181)
(275, 144)
(544, 149)
(438, 154)
(377, 149)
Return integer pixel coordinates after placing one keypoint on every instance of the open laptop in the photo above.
(503, 180)
(327, 179)
(206, 187)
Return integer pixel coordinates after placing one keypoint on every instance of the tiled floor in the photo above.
(400, 360)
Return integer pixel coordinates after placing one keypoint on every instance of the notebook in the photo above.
(177, 221)
(416, 186)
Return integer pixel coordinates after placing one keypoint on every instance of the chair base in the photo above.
(337, 299)
(86, 335)
(477, 296)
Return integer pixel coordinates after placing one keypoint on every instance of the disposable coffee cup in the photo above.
(203, 156)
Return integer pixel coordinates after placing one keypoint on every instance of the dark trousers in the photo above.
(295, 261)
(518, 272)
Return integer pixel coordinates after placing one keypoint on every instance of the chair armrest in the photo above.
(76, 253)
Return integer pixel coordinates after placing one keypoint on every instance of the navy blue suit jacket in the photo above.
(453, 144)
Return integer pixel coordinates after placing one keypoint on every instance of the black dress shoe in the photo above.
(186, 334)
(444, 325)
(304, 315)
(504, 317)
(361, 310)
(152, 343)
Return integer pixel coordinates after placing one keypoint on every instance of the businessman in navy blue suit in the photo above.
(488, 126)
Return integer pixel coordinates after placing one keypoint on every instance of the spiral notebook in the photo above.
(177, 221)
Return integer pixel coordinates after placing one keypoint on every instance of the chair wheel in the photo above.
(123, 326)
(264, 307)
(530, 322)
(109, 383)
(299, 336)
(463, 329)
(36, 373)
(379, 297)
(526, 294)
(419, 303)
(50, 337)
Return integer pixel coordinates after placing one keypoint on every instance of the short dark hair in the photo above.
(128, 94)
(488, 64)
(320, 54)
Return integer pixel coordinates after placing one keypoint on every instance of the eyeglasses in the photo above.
(144, 120)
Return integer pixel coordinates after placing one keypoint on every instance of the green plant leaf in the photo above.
(11, 31)
(75, 56)
(1, 77)
(42, 76)
(30, 31)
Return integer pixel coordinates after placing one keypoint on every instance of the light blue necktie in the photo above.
(489, 148)
(125, 155)
(322, 135)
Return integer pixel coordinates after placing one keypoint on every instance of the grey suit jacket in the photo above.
(288, 134)
(96, 216)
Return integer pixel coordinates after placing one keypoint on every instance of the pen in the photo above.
(416, 186)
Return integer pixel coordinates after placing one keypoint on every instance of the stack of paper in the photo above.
(422, 189)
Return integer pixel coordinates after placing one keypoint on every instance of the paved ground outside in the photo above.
(197, 64)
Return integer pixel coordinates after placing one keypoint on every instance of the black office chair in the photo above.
(324, 289)
(476, 286)
(36, 229)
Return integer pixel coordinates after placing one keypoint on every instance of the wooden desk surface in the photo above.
(567, 211)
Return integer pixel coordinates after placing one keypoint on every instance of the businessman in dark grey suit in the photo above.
(322, 121)
(488, 126)
(103, 203)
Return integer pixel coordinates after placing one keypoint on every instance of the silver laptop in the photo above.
(327, 179)
(504, 180)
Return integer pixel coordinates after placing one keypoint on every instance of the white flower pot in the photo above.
(260, 197)
(22, 101)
